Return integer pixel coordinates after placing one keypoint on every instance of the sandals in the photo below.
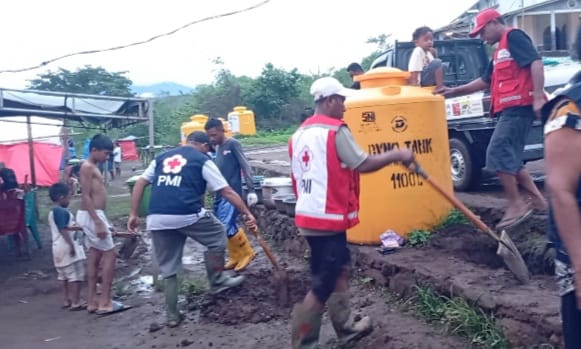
(508, 223)
(117, 308)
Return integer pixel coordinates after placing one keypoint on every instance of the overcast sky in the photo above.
(311, 35)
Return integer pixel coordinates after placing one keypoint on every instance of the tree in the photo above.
(88, 80)
(274, 96)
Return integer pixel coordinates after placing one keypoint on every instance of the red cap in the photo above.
(482, 19)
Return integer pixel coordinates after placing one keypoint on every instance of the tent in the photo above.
(54, 108)
(46, 146)
(128, 149)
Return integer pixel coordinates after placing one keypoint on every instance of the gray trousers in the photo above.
(169, 244)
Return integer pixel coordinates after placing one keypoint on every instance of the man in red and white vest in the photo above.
(325, 166)
(516, 80)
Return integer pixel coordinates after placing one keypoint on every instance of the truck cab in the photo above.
(470, 125)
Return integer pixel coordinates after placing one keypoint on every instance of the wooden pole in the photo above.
(31, 158)
(151, 131)
(31, 152)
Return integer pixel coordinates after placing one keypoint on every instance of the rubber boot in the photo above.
(245, 252)
(346, 328)
(171, 301)
(233, 254)
(306, 324)
(219, 279)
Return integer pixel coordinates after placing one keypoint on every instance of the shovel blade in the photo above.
(512, 258)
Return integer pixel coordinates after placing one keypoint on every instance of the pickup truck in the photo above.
(469, 123)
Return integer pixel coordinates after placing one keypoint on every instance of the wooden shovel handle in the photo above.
(265, 247)
(415, 167)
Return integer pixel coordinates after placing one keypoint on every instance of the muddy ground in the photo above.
(249, 317)
(31, 317)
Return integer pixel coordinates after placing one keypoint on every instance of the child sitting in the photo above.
(67, 250)
(425, 69)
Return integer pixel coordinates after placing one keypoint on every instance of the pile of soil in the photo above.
(256, 302)
(470, 244)
(467, 243)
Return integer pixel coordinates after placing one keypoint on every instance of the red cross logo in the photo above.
(174, 164)
(305, 159)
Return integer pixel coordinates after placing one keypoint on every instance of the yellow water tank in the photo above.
(242, 121)
(387, 114)
(197, 123)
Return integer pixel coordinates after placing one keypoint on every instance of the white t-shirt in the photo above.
(117, 154)
(418, 60)
(60, 218)
(214, 182)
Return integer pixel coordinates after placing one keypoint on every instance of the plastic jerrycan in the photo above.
(387, 114)
(196, 123)
(242, 121)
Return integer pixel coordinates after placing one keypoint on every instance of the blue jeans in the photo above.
(227, 214)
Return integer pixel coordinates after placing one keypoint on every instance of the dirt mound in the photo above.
(254, 303)
(467, 243)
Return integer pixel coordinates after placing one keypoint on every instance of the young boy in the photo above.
(68, 254)
(98, 232)
(425, 69)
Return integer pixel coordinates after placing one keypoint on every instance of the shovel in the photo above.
(280, 277)
(506, 248)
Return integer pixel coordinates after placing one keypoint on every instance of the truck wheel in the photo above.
(464, 172)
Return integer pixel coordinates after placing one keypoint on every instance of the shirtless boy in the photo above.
(98, 231)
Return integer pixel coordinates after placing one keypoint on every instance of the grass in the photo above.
(454, 217)
(459, 318)
(419, 238)
(453, 314)
(275, 137)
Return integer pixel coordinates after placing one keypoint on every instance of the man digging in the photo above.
(325, 166)
(179, 179)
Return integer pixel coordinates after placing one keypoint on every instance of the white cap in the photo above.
(328, 86)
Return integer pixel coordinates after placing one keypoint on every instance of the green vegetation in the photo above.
(277, 137)
(454, 217)
(459, 318)
(419, 238)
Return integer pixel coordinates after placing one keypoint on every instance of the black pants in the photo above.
(329, 256)
(571, 317)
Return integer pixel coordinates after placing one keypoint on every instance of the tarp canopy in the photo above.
(15, 151)
(128, 150)
(104, 110)
(15, 130)
(47, 160)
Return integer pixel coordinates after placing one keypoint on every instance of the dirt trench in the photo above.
(461, 261)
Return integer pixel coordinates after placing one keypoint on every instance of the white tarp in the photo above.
(14, 130)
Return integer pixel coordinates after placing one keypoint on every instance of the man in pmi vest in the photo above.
(516, 79)
(231, 161)
(325, 167)
(179, 179)
(562, 147)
